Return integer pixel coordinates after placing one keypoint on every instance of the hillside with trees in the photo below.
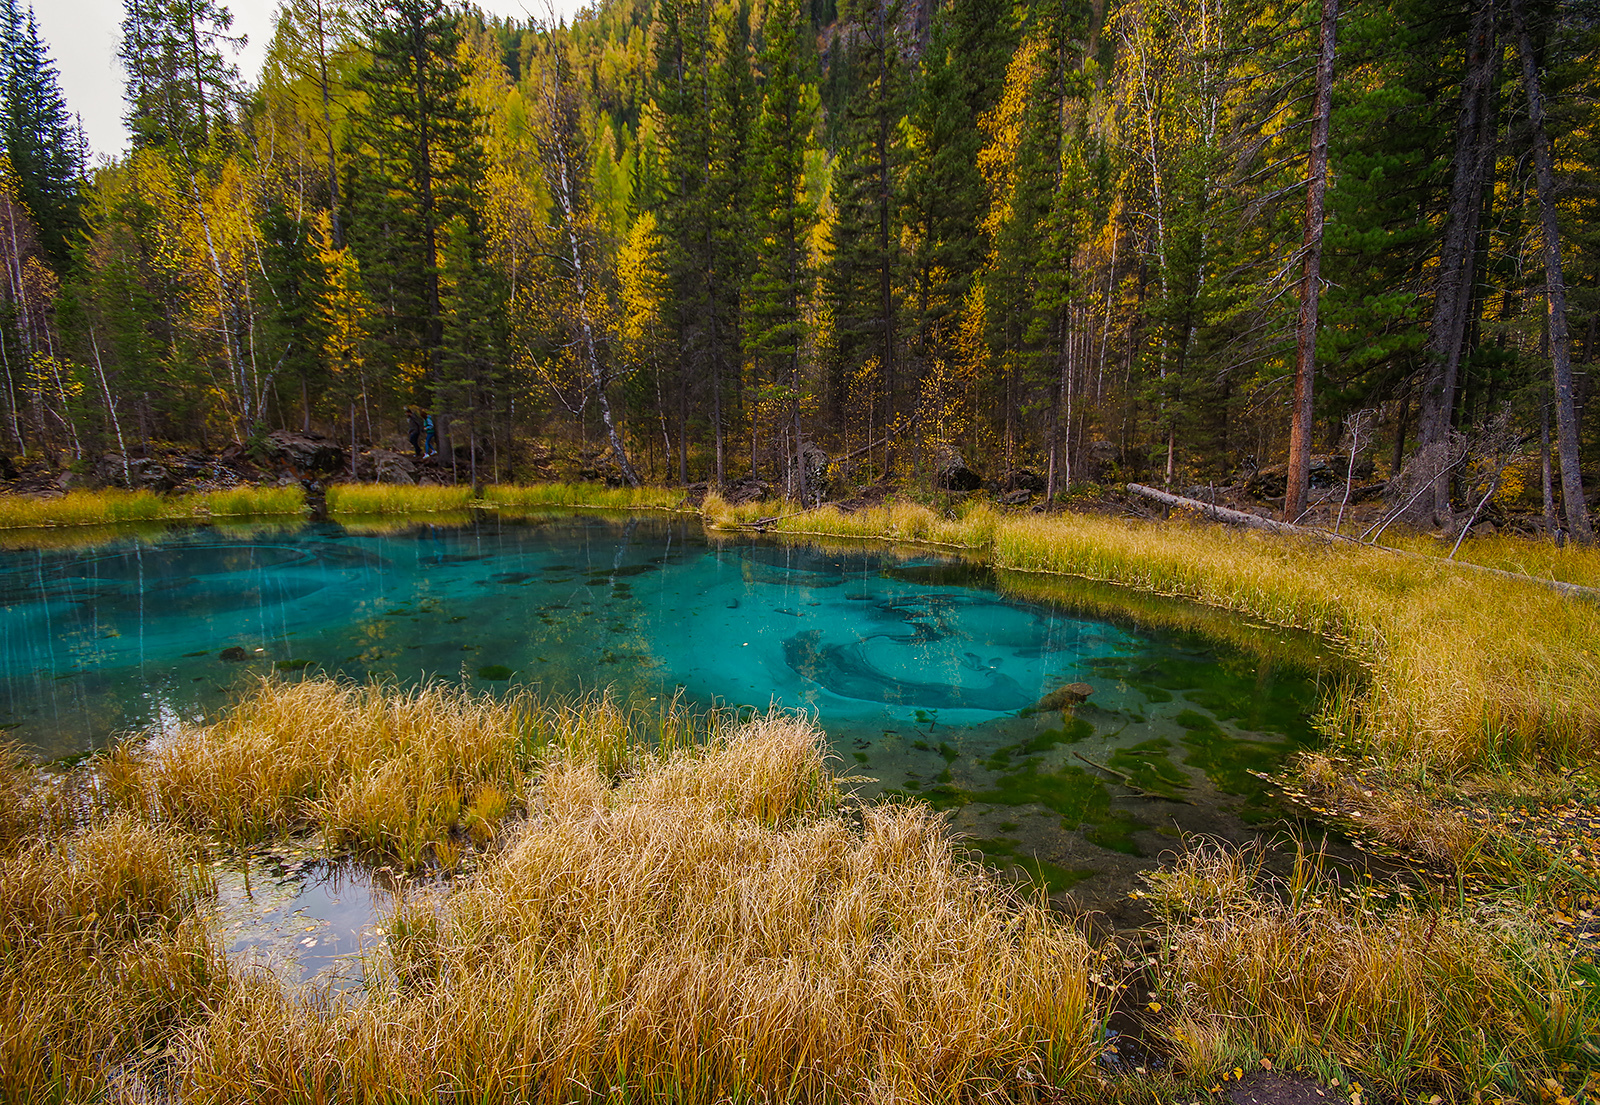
(1042, 245)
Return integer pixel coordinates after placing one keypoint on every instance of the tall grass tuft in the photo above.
(1415, 999)
(102, 960)
(703, 930)
(541, 496)
(390, 498)
(383, 772)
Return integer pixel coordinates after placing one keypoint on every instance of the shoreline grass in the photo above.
(395, 498)
(113, 507)
(1468, 1000)
(588, 496)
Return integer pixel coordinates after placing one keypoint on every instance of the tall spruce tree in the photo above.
(39, 135)
(959, 82)
(702, 136)
(418, 154)
(784, 216)
(863, 268)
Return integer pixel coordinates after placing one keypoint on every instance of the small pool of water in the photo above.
(924, 671)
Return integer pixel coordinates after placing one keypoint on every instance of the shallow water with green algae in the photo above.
(924, 671)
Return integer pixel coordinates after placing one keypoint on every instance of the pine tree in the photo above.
(180, 86)
(783, 216)
(41, 138)
(864, 263)
(418, 155)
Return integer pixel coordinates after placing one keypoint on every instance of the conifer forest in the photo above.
(671, 241)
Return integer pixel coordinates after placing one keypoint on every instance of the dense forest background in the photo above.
(819, 242)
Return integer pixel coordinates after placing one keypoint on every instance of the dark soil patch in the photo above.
(1268, 1087)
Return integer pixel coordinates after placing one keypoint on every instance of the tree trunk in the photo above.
(1555, 288)
(1299, 468)
(1473, 162)
(1546, 485)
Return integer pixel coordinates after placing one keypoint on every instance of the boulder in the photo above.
(1101, 459)
(389, 466)
(958, 478)
(1020, 497)
(1021, 479)
(746, 489)
(233, 655)
(303, 453)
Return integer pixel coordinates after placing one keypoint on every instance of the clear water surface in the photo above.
(924, 671)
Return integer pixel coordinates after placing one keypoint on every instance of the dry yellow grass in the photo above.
(380, 770)
(100, 958)
(400, 775)
(85, 508)
(705, 931)
(1470, 1002)
(391, 498)
(544, 496)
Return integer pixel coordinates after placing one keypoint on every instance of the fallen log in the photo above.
(1221, 513)
(1255, 521)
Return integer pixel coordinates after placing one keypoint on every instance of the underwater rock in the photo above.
(234, 655)
(1068, 694)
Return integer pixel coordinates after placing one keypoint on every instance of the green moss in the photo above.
(860, 757)
(291, 665)
(1149, 765)
(495, 672)
(1075, 730)
(1054, 878)
(1229, 761)
(1078, 797)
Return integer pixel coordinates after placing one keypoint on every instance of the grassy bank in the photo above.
(112, 507)
(392, 498)
(544, 496)
(374, 499)
(1469, 1001)
(691, 915)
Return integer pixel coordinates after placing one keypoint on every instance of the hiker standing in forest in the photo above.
(431, 433)
(414, 430)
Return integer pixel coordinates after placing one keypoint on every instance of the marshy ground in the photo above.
(668, 903)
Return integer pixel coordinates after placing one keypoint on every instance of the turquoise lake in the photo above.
(924, 671)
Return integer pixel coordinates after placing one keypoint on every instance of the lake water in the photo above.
(923, 670)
